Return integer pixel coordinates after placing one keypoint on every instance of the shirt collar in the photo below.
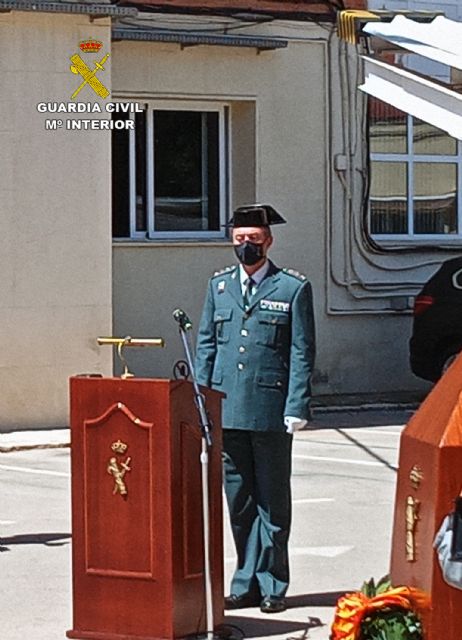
(257, 277)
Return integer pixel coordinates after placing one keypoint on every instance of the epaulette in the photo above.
(295, 274)
(220, 272)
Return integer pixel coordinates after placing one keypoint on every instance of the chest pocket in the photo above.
(273, 329)
(222, 322)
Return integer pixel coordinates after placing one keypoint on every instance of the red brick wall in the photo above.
(355, 4)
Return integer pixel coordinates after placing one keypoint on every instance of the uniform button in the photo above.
(241, 349)
(244, 332)
(240, 366)
(279, 383)
(273, 321)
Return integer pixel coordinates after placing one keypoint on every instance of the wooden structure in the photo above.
(137, 509)
(429, 479)
(292, 9)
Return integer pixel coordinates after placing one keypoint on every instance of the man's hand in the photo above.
(294, 424)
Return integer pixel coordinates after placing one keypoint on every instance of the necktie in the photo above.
(248, 291)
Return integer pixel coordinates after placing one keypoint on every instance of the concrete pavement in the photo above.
(344, 476)
(23, 440)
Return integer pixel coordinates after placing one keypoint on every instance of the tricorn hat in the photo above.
(255, 215)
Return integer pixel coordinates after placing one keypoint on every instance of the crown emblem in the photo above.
(119, 447)
(90, 46)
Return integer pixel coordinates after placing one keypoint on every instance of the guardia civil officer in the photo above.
(256, 344)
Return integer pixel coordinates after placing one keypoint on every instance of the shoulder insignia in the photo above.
(295, 274)
(220, 272)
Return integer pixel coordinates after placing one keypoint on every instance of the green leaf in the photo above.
(384, 584)
(391, 623)
(368, 588)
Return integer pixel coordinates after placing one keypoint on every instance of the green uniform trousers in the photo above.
(257, 468)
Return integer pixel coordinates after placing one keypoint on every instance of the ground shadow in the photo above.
(328, 599)
(236, 627)
(368, 450)
(48, 539)
(344, 423)
(358, 419)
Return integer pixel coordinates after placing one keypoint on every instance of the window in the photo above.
(415, 178)
(170, 173)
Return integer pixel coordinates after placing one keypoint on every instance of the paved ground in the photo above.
(343, 491)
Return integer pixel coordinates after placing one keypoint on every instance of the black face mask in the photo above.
(249, 253)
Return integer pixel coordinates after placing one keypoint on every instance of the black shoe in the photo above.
(271, 604)
(241, 602)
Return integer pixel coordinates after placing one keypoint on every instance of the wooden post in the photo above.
(429, 479)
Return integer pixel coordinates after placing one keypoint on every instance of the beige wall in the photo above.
(55, 249)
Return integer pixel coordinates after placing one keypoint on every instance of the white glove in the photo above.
(294, 424)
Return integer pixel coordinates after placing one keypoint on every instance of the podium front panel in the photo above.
(108, 513)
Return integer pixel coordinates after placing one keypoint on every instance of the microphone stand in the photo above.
(206, 442)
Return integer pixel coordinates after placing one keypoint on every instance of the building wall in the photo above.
(55, 248)
(302, 121)
(296, 142)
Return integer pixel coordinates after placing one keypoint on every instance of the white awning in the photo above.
(412, 94)
(440, 39)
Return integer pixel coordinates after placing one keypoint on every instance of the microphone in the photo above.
(180, 316)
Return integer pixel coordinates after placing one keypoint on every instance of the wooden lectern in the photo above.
(429, 479)
(137, 528)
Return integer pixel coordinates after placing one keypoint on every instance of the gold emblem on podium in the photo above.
(119, 469)
(416, 476)
(119, 447)
(412, 517)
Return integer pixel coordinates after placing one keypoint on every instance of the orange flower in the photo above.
(350, 611)
(352, 608)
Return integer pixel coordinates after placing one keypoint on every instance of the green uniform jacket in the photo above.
(261, 358)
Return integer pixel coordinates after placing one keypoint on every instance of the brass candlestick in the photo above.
(128, 341)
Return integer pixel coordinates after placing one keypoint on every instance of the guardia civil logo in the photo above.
(88, 74)
(83, 102)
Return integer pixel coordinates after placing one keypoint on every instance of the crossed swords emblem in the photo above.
(78, 66)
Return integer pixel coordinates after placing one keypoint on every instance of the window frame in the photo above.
(410, 159)
(224, 160)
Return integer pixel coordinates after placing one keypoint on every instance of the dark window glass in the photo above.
(388, 197)
(186, 179)
(387, 128)
(429, 140)
(140, 171)
(410, 193)
(120, 182)
(184, 173)
(435, 197)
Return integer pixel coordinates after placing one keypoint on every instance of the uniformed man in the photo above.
(256, 343)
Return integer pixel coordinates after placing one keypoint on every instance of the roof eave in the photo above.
(316, 10)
